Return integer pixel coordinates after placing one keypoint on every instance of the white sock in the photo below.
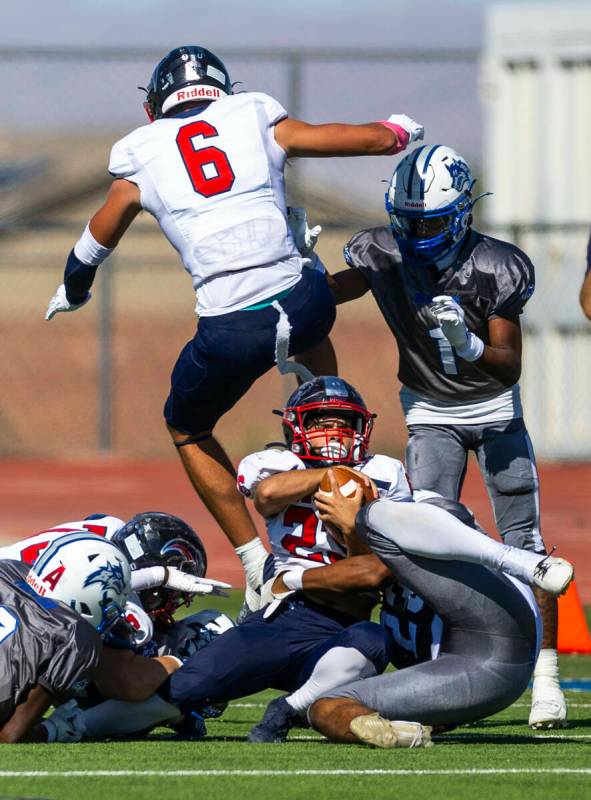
(336, 667)
(425, 530)
(253, 556)
(546, 674)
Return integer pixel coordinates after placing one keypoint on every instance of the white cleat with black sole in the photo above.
(548, 709)
(379, 732)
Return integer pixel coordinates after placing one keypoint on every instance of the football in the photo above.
(348, 480)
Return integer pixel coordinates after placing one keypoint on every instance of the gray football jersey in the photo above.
(41, 642)
(490, 279)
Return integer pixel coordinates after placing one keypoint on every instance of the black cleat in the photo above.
(276, 723)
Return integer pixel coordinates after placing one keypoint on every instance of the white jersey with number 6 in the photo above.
(213, 178)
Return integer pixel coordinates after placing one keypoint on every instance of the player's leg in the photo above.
(359, 651)
(425, 530)
(436, 459)
(320, 360)
(508, 465)
(213, 372)
(485, 664)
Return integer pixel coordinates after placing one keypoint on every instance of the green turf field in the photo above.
(500, 758)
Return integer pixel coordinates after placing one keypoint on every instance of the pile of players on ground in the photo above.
(87, 617)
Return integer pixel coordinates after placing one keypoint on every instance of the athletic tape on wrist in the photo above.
(401, 133)
(294, 579)
(473, 350)
(89, 251)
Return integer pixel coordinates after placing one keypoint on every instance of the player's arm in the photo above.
(23, 724)
(279, 491)
(123, 675)
(100, 236)
(386, 137)
(348, 284)
(358, 573)
(585, 295)
(500, 358)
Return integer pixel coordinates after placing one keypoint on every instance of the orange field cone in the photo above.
(573, 633)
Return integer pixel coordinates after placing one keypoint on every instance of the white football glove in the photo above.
(66, 724)
(191, 584)
(414, 129)
(59, 302)
(305, 238)
(271, 600)
(450, 317)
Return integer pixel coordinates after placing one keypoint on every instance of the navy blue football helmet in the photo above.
(188, 74)
(155, 539)
(346, 441)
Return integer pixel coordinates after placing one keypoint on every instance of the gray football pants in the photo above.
(437, 457)
(487, 652)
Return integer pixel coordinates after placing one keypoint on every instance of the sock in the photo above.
(546, 674)
(336, 667)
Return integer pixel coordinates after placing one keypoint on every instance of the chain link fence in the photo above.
(95, 381)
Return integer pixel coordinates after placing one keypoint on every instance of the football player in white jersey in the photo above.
(210, 170)
(326, 422)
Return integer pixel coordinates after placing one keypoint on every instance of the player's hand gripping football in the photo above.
(450, 317)
(59, 302)
(305, 238)
(338, 511)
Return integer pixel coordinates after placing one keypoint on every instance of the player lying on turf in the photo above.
(168, 563)
(312, 639)
(473, 634)
(53, 619)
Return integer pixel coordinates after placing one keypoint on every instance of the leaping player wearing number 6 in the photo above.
(210, 169)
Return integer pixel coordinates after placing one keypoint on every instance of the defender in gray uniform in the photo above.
(52, 616)
(468, 639)
(452, 297)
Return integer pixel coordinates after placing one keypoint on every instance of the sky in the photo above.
(373, 23)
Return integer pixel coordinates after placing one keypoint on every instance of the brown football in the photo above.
(348, 480)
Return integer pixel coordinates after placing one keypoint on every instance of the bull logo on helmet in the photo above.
(460, 174)
(109, 576)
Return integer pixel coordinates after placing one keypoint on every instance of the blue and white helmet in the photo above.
(429, 201)
(86, 573)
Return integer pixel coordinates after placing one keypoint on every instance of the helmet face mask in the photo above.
(155, 539)
(326, 422)
(429, 202)
(188, 74)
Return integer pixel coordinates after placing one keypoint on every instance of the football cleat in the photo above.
(379, 732)
(276, 723)
(548, 709)
(553, 575)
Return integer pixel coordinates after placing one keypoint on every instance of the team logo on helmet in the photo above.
(460, 175)
(109, 576)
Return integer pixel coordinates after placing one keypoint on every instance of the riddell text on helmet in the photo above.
(198, 91)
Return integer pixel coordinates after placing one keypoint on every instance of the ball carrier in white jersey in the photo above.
(210, 169)
(452, 297)
(326, 422)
